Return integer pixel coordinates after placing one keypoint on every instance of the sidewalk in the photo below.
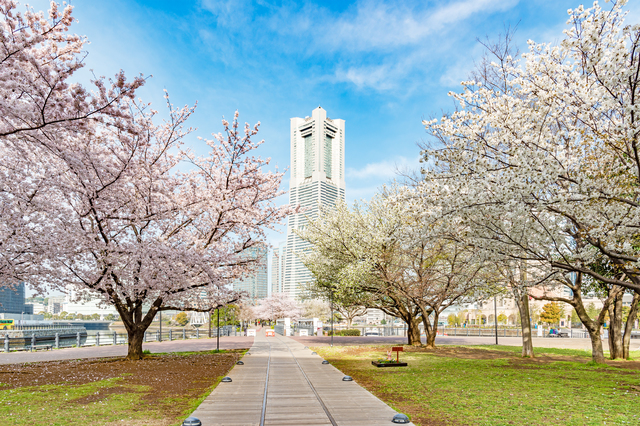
(281, 383)
(205, 344)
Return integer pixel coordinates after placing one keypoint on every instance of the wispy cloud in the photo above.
(372, 44)
(385, 170)
(380, 24)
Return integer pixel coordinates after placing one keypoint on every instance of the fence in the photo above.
(80, 339)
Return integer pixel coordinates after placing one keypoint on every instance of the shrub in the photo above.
(350, 332)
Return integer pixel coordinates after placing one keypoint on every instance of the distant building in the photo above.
(12, 300)
(55, 304)
(255, 284)
(89, 304)
(277, 268)
(317, 180)
(36, 307)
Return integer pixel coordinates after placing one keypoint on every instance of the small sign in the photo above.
(397, 350)
(304, 333)
(251, 332)
(270, 333)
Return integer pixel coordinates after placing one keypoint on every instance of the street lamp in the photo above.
(331, 306)
(495, 315)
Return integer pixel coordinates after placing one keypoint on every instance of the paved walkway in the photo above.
(206, 344)
(282, 383)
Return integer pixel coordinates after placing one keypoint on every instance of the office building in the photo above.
(277, 268)
(12, 300)
(256, 284)
(317, 180)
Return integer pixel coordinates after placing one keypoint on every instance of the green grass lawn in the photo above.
(485, 386)
(63, 404)
(161, 390)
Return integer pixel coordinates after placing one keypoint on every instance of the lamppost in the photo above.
(495, 315)
(218, 332)
(331, 306)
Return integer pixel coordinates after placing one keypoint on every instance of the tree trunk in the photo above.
(136, 324)
(593, 327)
(134, 351)
(615, 327)
(413, 332)
(431, 330)
(633, 314)
(522, 300)
(597, 353)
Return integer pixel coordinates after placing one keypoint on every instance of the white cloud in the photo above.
(385, 170)
(379, 24)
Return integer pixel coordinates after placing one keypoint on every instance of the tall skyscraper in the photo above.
(277, 268)
(255, 284)
(317, 179)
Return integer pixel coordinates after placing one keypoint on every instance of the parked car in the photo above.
(371, 333)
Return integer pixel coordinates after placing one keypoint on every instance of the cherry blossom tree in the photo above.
(277, 306)
(387, 250)
(97, 197)
(42, 117)
(545, 168)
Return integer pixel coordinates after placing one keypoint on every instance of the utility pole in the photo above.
(218, 333)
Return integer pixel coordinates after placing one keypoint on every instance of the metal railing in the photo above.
(81, 339)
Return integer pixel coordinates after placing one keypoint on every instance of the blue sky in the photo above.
(382, 66)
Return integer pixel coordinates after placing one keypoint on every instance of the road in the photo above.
(547, 342)
(205, 344)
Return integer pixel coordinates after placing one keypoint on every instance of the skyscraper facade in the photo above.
(277, 268)
(256, 284)
(12, 300)
(317, 180)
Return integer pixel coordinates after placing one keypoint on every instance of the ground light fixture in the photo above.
(400, 418)
(325, 362)
(227, 379)
(240, 363)
(306, 347)
(314, 353)
(347, 379)
(192, 421)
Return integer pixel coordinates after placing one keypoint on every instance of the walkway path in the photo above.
(226, 342)
(282, 383)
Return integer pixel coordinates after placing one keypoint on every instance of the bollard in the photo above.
(115, 338)
(6, 343)
(197, 333)
(78, 339)
(33, 342)
(192, 421)
(184, 334)
(400, 418)
(57, 341)
(157, 336)
(170, 334)
(97, 338)
(144, 338)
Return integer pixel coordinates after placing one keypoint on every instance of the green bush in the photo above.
(349, 332)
